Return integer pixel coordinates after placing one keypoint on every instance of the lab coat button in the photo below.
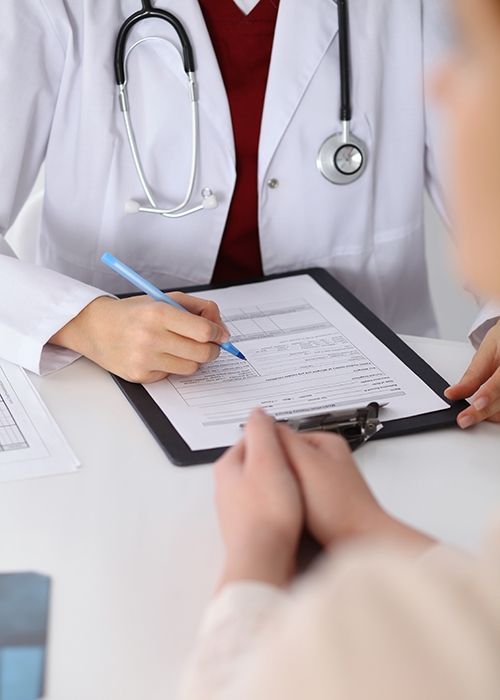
(273, 183)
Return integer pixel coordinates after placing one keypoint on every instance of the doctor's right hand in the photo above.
(142, 340)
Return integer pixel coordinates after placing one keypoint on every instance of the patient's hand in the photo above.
(338, 503)
(259, 505)
(483, 377)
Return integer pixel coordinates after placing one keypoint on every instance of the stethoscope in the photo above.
(341, 158)
(209, 200)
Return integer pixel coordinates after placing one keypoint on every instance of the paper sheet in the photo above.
(305, 354)
(31, 443)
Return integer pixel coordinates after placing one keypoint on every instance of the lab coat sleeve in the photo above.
(35, 302)
(29, 319)
(438, 40)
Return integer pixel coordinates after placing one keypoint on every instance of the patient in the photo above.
(388, 614)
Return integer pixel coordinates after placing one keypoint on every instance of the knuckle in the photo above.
(206, 332)
(338, 442)
(136, 376)
(189, 367)
(208, 352)
(144, 338)
(212, 308)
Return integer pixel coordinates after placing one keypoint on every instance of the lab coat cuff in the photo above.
(53, 358)
(36, 353)
(486, 319)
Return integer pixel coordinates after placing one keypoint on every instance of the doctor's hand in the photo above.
(143, 340)
(259, 506)
(483, 377)
(338, 503)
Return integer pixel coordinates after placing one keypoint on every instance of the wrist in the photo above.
(75, 334)
(380, 524)
(265, 558)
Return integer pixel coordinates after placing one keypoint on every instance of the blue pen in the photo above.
(154, 292)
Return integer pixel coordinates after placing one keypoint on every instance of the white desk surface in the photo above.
(132, 545)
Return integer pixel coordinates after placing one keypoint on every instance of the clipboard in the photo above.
(182, 455)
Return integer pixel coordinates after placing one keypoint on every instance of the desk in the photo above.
(132, 545)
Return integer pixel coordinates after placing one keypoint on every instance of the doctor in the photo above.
(267, 77)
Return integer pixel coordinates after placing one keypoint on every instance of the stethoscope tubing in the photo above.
(345, 68)
(148, 12)
(341, 159)
(133, 143)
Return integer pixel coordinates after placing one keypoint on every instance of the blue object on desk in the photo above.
(24, 601)
(155, 293)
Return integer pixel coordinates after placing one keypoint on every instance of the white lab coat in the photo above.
(59, 102)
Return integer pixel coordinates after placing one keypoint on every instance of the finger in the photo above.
(190, 325)
(318, 441)
(231, 460)
(201, 307)
(469, 417)
(478, 372)
(187, 349)
(485, 406)
(325, 441)
(165, 365)
(263, 447)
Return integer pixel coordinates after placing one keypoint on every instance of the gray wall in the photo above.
(455, 308)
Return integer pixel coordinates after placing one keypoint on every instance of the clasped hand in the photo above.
(274, 482)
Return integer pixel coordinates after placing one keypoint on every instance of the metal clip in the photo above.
(356, 425)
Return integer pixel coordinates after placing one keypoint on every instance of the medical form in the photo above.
(305, 353)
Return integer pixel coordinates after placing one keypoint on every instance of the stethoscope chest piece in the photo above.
(342, 158)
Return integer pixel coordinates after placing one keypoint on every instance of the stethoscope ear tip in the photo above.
(210, 202)
(132, 207)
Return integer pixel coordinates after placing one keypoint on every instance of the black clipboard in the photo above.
(181, 454)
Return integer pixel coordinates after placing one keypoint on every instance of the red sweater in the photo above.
(243, 47)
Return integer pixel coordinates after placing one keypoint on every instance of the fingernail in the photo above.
(466, 422)
(225, 328)
(481, 403)
(224, 338)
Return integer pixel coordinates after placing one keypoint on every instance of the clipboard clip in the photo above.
(356, 425)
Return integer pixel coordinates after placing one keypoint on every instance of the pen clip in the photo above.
(356, 425)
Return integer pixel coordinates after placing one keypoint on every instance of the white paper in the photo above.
(305, 353)
(31, 443)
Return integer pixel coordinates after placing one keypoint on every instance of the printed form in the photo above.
(305, 353)
(31, 443)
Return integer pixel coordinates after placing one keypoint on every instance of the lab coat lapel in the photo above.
(212, 93)
(304, 31)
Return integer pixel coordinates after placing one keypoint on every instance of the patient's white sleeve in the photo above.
(370, 622)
